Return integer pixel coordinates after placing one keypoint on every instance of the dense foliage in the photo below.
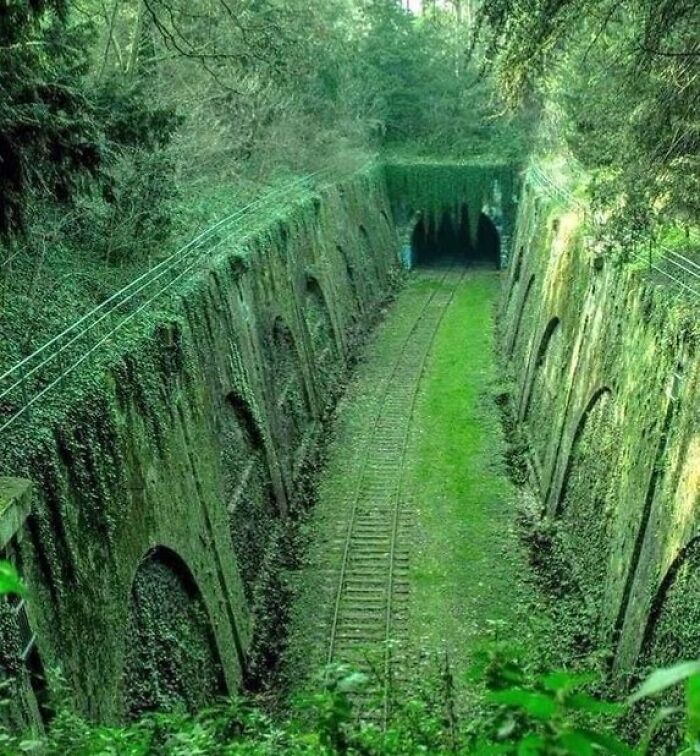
(620, 84)
(523, 713)
(127, 125)
(265, 83)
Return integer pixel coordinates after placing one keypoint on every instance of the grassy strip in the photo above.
(467, 567)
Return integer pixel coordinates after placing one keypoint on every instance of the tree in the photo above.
(621, 81)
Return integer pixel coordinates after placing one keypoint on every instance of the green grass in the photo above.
(469, 577)
(467, 568)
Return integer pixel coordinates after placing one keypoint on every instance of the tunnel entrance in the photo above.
(448, 241)
(488, 243)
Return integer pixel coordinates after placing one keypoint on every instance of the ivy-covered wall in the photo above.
(190, 439)
(607, 386)
(427, 190)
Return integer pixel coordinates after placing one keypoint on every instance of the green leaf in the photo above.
(665, 678)
(10, 581)
(531, 745)
(576, 742)
(538, 705)
(692, 699)
(566, 681)
(661, 715)
(608, 743)
(584, 702)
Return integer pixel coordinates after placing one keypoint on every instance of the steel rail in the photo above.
(355, 544)
(360, 478)
(397, 506)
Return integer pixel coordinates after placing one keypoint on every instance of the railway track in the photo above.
(369, 613)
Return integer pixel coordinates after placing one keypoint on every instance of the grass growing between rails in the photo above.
(468, 566)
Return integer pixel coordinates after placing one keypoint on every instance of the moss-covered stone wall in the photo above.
(190, 439)
(607, 385)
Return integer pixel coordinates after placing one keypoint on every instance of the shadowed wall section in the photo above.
(196, 431)
(606, 383)
(449, 241)
(171, 657)
(673, 628)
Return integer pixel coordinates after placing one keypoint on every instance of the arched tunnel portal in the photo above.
(448, 240)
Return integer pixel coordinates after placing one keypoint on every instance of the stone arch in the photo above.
(325, 345)
(672, 630)
(542, 387)
(172, 659)
(655, 478)
(365, 235)
(351, 278)
(318, 318)
(519, 319)
(368, 255)
(247, 421)
(248, 487)
(515, 280)
(583, 505)
(289, 388)
(603, 393)
(518, 265)
(551, 331)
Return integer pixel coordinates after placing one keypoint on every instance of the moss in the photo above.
(433, 187)
(144, 446)
(172, 661)
(612, 481)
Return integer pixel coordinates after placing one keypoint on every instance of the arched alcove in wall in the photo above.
(673, 625)
(518, 267)
(672, 633)
(247, 487)
(293, 405)
(171, 657)
(549, 336)
(251, 434)
(584, 503)
(369, 257)
(524, 308)
(587, 421)
(318, 318)
(351, 278)
(540, 392)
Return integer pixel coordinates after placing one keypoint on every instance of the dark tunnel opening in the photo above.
(488, 243)
(449, 242)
